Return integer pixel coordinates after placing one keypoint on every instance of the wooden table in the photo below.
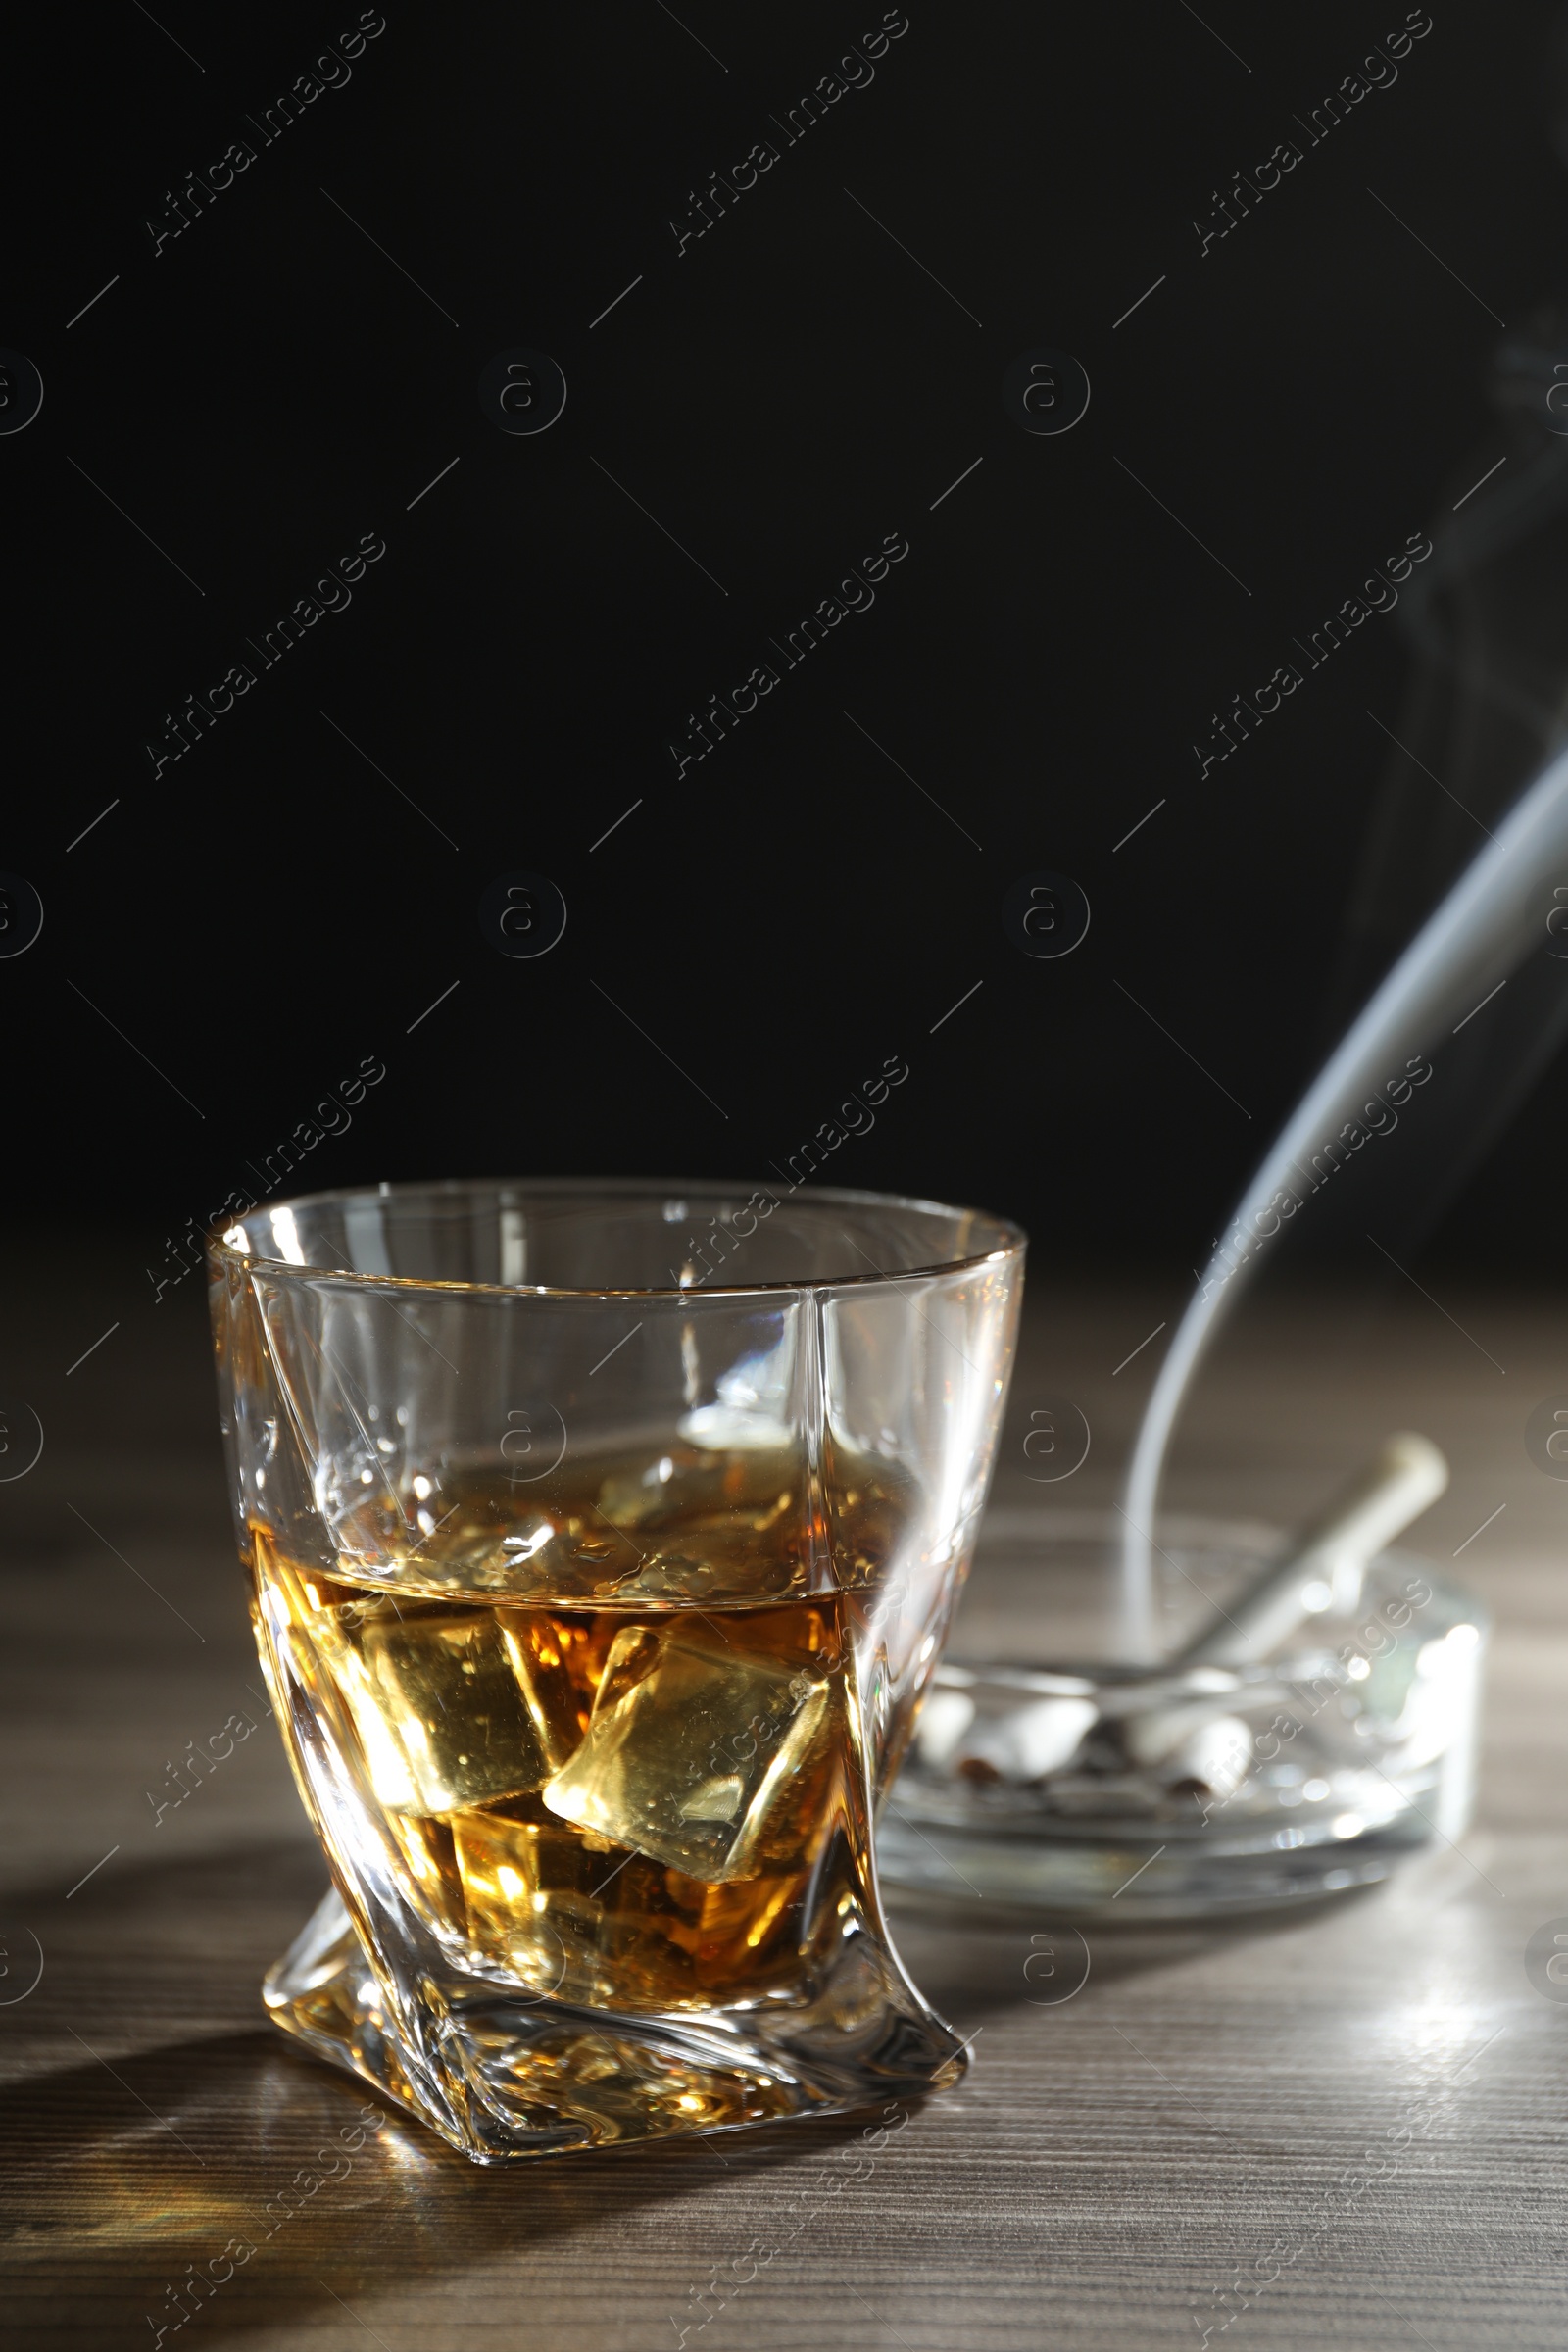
(1180, 2148)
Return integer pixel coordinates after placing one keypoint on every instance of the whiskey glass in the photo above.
(601, 1539)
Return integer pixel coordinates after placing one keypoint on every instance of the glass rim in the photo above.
(1014, 1244)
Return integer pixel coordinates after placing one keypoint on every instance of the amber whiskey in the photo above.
(611, 1745)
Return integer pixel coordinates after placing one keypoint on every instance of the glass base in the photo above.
(500, 2075)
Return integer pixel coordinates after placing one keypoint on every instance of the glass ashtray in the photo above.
(1125, 1792)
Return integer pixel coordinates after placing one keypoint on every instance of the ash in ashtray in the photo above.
(1334, 1736)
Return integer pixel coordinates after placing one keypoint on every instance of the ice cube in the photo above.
(576, 1919)
(456, 1707)
(530, 1894)
(705, 1758)
(686, 1484)
(434, 1882)
(537, 1647)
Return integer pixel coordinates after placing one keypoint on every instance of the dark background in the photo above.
(239, 930)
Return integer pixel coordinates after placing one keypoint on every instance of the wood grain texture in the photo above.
(1119, 2171)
